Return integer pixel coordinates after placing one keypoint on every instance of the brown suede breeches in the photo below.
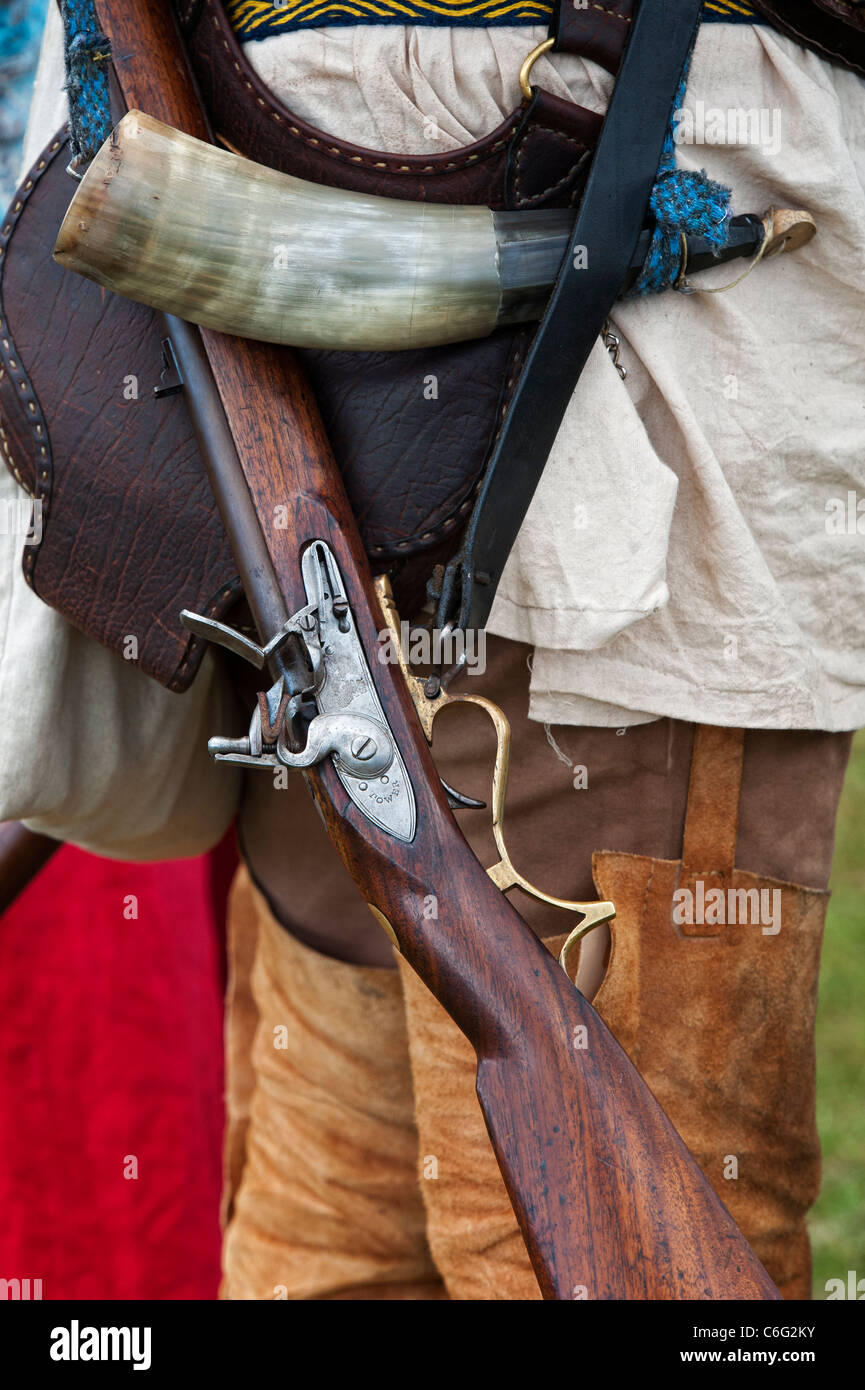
(357, 1163)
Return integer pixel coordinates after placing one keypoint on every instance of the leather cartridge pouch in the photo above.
(712, 989)
(130, 535)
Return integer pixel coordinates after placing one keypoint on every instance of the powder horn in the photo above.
(214, 238)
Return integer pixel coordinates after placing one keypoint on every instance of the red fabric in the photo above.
(111, 1046)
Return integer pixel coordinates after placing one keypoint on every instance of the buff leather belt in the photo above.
(608, 225)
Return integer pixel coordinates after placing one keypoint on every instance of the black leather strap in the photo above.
(609, 221)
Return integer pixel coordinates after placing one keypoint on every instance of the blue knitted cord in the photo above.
(683, 200)
(87, 54)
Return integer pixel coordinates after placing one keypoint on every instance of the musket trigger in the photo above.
(595, 917)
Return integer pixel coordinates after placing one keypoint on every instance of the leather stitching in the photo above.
(507, 393)
(612, 14)
(437, 533)
(13, 369)
(340, 151)
(187, 10)
(217, 604)
(455, 517)
(521, 150)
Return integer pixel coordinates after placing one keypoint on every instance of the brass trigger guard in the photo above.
(503, 874)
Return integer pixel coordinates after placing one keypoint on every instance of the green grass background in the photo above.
(838, 1220)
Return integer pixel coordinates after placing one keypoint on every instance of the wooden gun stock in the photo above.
(609, 1200)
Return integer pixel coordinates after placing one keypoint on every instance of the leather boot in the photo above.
(718, 1014)
(322, 1196)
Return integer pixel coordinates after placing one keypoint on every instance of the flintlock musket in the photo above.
(610, 1202)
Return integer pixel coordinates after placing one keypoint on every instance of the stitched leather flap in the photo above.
(129, 531)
